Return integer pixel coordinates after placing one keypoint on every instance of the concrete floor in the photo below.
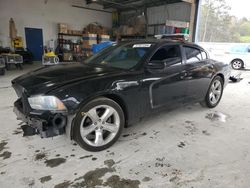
(188, 147)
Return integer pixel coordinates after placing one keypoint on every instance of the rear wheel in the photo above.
(214, 93)
(98, 124)
(237, 64)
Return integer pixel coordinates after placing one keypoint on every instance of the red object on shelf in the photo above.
(177, 30)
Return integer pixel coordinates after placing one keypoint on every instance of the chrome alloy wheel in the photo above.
(99, 125)
(215, 92)
(237, 64)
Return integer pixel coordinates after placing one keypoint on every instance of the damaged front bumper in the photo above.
(45, 123)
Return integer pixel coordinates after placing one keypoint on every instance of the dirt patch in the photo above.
(160, 162)
(125, 135)
(146, 179)
(175, 175)
(155, 132)
(3, 143)
(86, 156)
(65, 184)
(217, 116)
(5, 155)
(2, 173)
(181, 145)
(190, 128)
(94, 159)
(29, 181)
(134, 135)
(116, 182)
(45, 179)
(40, 156)
(206, 133)
(54, 162)
(109, 163)
(93, 178)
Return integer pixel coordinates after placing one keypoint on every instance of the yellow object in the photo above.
(17, 42)
(50, 58)
(50, 54)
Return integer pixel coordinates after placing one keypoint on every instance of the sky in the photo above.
(240, 8)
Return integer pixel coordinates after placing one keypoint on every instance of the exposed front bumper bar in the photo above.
(45, 123)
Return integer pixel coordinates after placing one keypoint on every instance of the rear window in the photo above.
(192, 54)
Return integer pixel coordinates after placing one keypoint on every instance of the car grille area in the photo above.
(41, 122)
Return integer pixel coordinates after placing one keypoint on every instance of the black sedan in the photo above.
(93, 101)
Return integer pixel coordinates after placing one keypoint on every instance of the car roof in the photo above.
(160, 42)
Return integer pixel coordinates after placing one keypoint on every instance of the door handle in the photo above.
(183, 74)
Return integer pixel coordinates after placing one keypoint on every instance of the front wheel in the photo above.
(98, 124)
(214, 93)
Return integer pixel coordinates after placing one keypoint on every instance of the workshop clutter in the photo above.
(74, 44)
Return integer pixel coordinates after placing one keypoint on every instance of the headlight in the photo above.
(46, 103)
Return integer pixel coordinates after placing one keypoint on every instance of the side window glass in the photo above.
(170, 54)
(193, 55)
(159, 55)
(204, 55)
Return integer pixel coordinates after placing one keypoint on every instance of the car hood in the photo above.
(45, 79)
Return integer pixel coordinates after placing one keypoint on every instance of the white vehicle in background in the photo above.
(238, 56)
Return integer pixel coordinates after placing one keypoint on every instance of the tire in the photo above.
(214, 93)
(95, 131)
(2, 71)
(237, 64)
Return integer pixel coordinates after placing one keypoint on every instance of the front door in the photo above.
(34, 42)
(167, 86)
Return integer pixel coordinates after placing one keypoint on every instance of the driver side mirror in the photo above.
(156, 65)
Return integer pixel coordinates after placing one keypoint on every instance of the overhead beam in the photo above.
(99, 10)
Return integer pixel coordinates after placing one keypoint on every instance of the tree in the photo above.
(216, 24)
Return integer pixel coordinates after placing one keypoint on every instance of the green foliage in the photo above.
(245, 39)
(217, 25)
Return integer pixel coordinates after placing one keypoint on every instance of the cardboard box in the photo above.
(63, 28)
(89, 39)
(130, 31)
(67, 56)
(104, 38)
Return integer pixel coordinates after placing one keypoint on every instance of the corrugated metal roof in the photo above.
(131, 4)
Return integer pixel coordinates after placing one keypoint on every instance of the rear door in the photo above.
(199, 72)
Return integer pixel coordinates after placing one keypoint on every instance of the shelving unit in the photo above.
(64, 39)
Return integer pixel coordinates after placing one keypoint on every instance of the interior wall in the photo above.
(46, 14)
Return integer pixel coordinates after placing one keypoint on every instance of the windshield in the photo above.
(120, 56)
